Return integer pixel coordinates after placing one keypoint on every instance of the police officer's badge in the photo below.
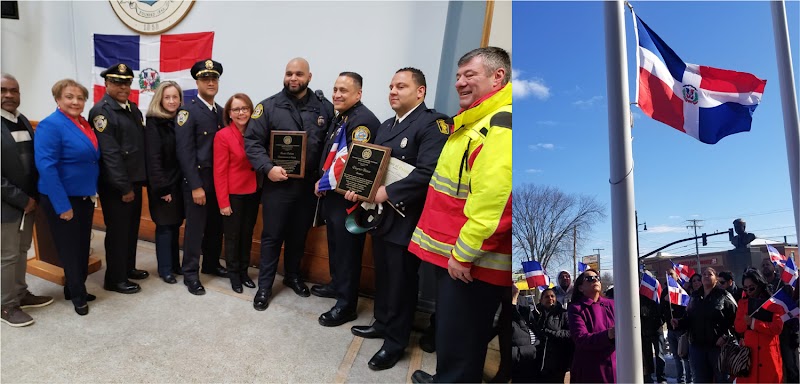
(287, 139)
(443, 127)
(122, 68)
(257, 112)
(182, 117)
(403, 142)
(320, 121)
(209, 64)
(361, 134)
(100, 122)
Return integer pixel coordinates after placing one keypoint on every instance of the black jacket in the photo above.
(18, 179)
(652, 317)
(163, 172)
(361, 124)
(523, 351)
(710, 317)
(418, 141)
(195, 128)
(279, 113)
(120, 135)
(556, 347)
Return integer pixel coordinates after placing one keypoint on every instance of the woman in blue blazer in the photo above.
(66, 154)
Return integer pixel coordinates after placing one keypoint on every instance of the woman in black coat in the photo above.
(164, 177)
(523, 350)
(551, 327)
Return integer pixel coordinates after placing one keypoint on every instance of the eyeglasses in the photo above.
(241, 110)
(592, 278)
(749, 288)
(723, 281)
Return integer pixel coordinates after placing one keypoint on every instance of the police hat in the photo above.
(363, 220)
(118, 73)
(206, 68)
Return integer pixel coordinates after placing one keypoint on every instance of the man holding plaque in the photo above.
(416, 135)
(465, 228)
(284, 141)
(354, 123)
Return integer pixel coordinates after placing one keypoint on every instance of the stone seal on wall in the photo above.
(151, 17)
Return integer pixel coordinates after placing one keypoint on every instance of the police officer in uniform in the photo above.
(120, 135)
(288, 203)
(344, 248)
(416, 136)
(197, 123)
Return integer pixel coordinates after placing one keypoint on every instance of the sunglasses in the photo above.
(722, 281)
(592, 279)
(749, 289)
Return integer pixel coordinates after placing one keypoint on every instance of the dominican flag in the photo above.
(775, 256)
(334, 163)
(582, 267)
(535, 274)
(782, 305)
(650, 287)
(684, 272)
(153, 59)
(789, 274)
(704, 102)
(677, 295)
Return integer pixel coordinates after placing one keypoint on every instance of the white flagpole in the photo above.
(789, 100)
(626, 293)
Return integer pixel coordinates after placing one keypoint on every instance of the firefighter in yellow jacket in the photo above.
(465, 228)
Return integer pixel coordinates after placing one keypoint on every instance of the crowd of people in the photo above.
(210, 167)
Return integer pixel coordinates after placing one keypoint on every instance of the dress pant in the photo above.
(344, 251)
(15, 244)
(789, 353)
(72, 240)
(167, 248)
(238, 228)
(287, 212)
(203, 231)
(396, 286)
(464, 323)
(122, 231)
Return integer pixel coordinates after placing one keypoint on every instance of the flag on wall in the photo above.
(153, 59)
(535, 274)
(704, 102)
(650, 287)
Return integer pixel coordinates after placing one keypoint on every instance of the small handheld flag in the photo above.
(677, 295)
(334, 163)
(774, 256)
(582, 267)
(782, 305)
(684, 272)
(535, 274)
(789, 274)
(650, 287)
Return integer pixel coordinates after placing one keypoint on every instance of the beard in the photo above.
(301, 87)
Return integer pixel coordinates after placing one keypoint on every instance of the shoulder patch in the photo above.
(443, 127)
(501, 119)
(257, 111)
(182, 117)
(100, 123)
(361, 134)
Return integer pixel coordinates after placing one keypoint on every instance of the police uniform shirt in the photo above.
(361, 127)
(195, 128)
(120, 136)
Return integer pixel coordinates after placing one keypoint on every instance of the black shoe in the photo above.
(297, 286)
(177, 271)
(216, 271)
(336, 317)
(169, 279)
(137, 274)
(195, 287)
(421, 377)
(261, 301)
(247, 282)
(324, 290)
(428, 342)
(68, 296)
(236, 284)
(126, 287)
(83, 311)
(384, 360)
(366, 331)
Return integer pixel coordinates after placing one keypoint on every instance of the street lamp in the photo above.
(638, 252)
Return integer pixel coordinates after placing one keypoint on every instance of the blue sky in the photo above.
(561, 131)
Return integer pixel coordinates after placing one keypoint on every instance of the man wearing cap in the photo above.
(416, 135)
(120, 135)
(345, 249)
(197, 122)
(288, 203)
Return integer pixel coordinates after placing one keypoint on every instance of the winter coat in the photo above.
(761, 336)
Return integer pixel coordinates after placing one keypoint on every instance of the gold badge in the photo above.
(366, 154)
(361, 134)
(100, 123)
(257, 112)
(320, 121)
(182, 117)
(209, 64)
(443, 127)
(287, 139)
(403, 142)
(122, 68)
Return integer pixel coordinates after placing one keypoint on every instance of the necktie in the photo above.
(395, 123)
(214, 108)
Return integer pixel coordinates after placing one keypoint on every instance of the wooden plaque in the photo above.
(364, 170)
(287, 149)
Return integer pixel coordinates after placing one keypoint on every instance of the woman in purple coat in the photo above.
(591, 324)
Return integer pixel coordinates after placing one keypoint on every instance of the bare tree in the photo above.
(544, 219)
(608, 279)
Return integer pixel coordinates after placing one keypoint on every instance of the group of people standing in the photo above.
(211, 166)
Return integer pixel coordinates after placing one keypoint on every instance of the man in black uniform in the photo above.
(344, 249)
(288, 203)
(197, 123)
(416, 136)
(120, 135)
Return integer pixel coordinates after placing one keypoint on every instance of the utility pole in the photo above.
(696, 246)
(574, 252)
(598, 257)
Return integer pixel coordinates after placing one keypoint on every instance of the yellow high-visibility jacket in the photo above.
(467, 212)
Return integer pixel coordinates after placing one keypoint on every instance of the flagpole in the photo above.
(789, 101)
(626, 294)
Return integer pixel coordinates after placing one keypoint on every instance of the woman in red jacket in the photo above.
(761, 329)
(236, 185)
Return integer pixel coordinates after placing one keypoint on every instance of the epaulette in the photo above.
(319, 95)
